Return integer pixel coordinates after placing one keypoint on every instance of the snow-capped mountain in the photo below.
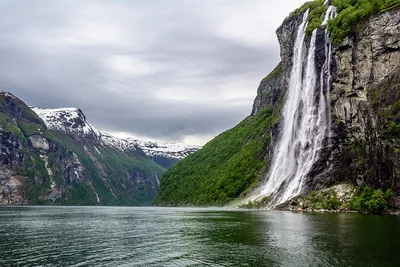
(73, 121)
(69, 120)
(176, 150)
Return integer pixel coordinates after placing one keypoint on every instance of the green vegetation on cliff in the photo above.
(350, 15)
(370, 200)
(273, 73)
(315, 18)
(226, 167)
(308, 5)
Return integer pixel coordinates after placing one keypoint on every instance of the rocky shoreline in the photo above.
(341, 198)
(389, 212)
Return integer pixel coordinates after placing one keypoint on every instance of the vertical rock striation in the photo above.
(366, 107)
(364, 95)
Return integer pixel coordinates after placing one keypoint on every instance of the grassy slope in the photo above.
(226, 167)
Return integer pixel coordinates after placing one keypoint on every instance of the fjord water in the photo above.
(119, 236)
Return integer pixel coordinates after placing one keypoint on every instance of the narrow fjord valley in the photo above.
(311, 177)
(324, 131)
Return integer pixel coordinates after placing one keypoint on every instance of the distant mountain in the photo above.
(57, 157)
(68, 120)
(73, 122)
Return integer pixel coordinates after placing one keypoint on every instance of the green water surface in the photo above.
(120, 236)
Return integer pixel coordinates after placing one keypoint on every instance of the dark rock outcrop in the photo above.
(366, 107)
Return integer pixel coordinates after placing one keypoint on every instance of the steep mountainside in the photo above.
(357, 75)
(65, 160)
(224, 168)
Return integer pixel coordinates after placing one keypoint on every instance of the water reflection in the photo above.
(83, 236)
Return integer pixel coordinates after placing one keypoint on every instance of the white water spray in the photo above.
(330, 14)
(306, 119)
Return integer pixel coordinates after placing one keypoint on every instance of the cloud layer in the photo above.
(171, 70)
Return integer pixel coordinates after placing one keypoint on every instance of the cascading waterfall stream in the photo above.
(326, 75)
(306, 121)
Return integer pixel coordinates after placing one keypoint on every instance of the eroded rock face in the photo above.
(73, 168)
(363, 61)
(365, 88)
(367, 71)
(12, 189)
(16, 155)
(39, 142)
(10, 147)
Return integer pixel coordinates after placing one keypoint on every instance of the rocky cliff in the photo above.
(365, 103)
(366, 106)
(363, 146)
(31, 159)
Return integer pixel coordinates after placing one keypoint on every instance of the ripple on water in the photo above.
(112, 236)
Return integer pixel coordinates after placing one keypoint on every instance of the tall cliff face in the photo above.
(363, 147)
(365, 103)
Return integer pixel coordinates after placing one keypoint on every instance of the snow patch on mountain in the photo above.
(7, 94)
(72, 120)
(68, 120)
(113, 141)
(152, 148)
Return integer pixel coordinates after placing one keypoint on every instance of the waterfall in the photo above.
(326, 75)
(330, 14)
(305, 129)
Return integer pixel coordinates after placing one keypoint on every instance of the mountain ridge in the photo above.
(74, 121)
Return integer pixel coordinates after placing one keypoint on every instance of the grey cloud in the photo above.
(160, 69)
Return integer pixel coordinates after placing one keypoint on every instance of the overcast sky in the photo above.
(183, 70)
